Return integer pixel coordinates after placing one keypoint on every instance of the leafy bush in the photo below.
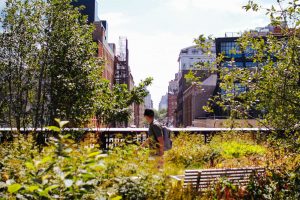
(281, 182)
(225, 150)
(189, 151)
(234, 149)
(142, 188)
(63, 169)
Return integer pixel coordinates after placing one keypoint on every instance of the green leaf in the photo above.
(46, 159)
(57, 120)
(51, 188)
(88, 176)
(32, 188)
(53, 128)
(94, 154)
(117, 198)
(29, 165)
(63, 123)
(14, 188)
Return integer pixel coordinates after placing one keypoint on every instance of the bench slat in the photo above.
(223, 169)
(238, 176)
(224, 174)
(214, 176)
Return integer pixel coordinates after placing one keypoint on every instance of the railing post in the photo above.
(205, 138)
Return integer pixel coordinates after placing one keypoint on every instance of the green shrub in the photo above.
(66, 170)
(281, 182)
(63, 169)
(189, 151)
(234, 149)
(147, 187)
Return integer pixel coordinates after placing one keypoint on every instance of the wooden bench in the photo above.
(201, 180)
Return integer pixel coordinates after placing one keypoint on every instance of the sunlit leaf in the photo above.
(53, 128)
(32, 188)
(14, 188)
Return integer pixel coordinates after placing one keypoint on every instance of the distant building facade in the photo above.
(91, 9)
(172, 101)
(195, 97)
(139, 115)
(148, 101)
(106, 51)
(163, 104)
(122, 69)
(229, 47)
(192, 55)
(188, 59)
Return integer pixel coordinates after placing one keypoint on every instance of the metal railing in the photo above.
(112, 137)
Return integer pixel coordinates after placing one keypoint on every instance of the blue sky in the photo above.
(158, 29)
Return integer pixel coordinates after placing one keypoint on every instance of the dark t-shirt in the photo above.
(155, 131)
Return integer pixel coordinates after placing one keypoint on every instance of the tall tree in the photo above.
(114, 104)
(73, 71)
(19, 58)
(49, 68)
(273, 87)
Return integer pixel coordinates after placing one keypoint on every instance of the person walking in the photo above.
(155, 139)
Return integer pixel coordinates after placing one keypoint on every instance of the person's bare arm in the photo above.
(161, 145)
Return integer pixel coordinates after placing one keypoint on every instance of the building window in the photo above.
(231, 49)
(232, 64)
(185, 51)
(249, 53)
(251, 64)
(238, 89)
(194, 51)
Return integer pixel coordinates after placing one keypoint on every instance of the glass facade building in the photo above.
(91, 9)
(229, 47)
(233, 57)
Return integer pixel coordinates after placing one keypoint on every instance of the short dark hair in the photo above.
(149, 113)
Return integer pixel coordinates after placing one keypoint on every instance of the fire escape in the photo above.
(122, 67)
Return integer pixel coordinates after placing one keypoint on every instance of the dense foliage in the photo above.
(48, 64)
(225, 150)
(114, 104)
(65, 169)
(272, 85)
(49, 68)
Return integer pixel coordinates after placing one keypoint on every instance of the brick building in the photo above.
(172, 101)
(195, 97)
(172, 106)
(106, 51)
